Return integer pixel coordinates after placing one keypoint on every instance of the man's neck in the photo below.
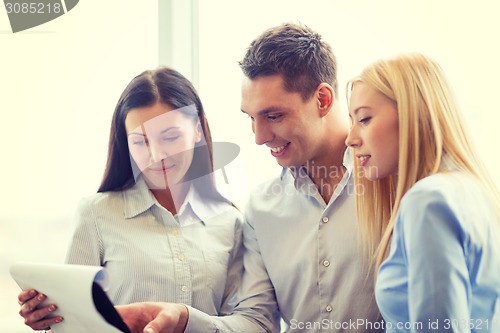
(326, 185)
(327, 173)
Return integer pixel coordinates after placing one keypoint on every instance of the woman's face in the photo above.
(161, 141)
(374, 134)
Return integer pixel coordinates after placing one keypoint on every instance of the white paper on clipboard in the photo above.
(79, 293)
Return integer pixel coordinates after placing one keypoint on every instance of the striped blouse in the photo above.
(194, 258)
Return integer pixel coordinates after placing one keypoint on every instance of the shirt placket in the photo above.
(324, 266)
(183, 281)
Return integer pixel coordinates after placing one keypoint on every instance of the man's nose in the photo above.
(261, 132)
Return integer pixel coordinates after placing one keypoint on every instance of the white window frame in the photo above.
(178, 37)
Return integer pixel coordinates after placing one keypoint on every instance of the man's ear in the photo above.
(325, 97)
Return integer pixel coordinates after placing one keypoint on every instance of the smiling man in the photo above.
(303, 262)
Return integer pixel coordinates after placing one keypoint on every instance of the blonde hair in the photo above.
(430, 128)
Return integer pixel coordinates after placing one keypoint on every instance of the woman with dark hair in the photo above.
(158, 223)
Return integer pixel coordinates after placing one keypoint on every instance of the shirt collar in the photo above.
(198, 208)
(139, 199)
(300, 174)
(348, 161)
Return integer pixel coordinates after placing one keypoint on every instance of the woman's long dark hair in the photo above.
(167, 86)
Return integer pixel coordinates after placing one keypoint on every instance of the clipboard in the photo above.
(79, 293)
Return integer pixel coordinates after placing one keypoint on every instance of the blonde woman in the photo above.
(430, 212)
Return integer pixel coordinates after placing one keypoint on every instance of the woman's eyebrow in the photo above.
(168, 129)
(162, 132)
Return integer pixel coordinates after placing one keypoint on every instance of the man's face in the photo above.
(281, 120)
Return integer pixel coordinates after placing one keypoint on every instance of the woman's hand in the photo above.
(35, 316)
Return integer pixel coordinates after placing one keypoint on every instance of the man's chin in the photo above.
(284, 163)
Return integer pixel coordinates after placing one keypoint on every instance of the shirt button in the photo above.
(326, 263)
(184, 288)
(174, 232)
(329, 308)
(181, 257)
(325, 219)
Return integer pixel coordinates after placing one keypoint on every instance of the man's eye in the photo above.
(274, 117)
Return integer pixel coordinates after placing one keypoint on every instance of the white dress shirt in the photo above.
(193, 258)
(303, 261)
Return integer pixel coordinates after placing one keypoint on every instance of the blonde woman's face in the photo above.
(374, 134)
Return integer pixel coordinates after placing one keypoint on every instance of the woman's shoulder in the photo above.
(443, 187)
(102, 198)
(457, 195)
(101, 201)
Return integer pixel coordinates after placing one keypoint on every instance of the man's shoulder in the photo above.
(273, 195)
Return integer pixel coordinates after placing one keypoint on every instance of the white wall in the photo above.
(59, 83)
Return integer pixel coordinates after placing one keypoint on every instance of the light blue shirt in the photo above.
(194, 257)
(443, 270)
(303, 262)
